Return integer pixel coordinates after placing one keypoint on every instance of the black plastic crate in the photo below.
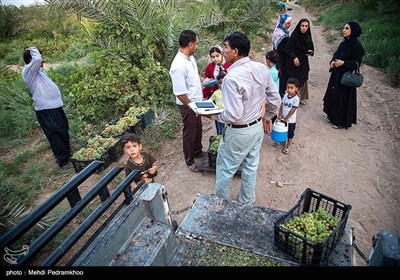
(212, 159)
(79, 165)
(115, 151)
(212, 156)
(111, 154)
(114, 135)
(299, 248)
(147, 118)
(136, 128)
(101, 133)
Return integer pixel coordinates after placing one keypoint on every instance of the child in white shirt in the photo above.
(288, 109)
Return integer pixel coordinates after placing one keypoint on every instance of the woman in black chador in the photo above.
(340, 102)
(280, 37)
(299, 47)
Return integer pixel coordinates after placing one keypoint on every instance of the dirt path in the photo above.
(358, 166)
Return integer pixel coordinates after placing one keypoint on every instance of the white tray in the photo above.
(206, 111)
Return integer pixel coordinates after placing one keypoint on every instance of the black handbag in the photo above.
(352, 78)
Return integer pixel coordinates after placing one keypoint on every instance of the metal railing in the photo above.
(77, 203)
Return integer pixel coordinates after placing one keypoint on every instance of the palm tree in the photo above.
(155, 25)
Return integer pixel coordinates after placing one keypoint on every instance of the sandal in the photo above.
(277, 145)
(337, 126)
(194, 167)
(286, 150)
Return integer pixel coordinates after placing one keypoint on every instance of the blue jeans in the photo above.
(240, 146)
(220, 126)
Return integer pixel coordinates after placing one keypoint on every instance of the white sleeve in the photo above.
(33, 67)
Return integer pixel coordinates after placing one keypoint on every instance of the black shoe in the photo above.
(199, 155)
(63, 163)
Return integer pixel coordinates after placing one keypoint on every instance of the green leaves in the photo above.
(114, 79)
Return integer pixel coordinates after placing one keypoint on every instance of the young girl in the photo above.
(272, 61)
(215, 70)
(288, 109)
(138, 160)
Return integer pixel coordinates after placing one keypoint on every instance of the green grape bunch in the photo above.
(127, 121)
(111, 130)
(214, 143)
(94, 148)
(315, 226)
(136, 111)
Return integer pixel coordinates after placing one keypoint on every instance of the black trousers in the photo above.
(54, 124)
(192, 134)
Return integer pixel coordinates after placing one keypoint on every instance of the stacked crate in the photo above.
(133, 121)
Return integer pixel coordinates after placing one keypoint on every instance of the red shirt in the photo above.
(209, 73)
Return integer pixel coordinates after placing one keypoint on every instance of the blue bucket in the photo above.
(279, 131)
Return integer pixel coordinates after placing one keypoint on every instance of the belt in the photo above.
(244, 125)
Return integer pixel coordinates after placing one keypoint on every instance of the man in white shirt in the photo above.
(48, 105)
(244, 89)
(187, 88)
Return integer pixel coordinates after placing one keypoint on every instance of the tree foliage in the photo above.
(135, 41)
(252, 17)
(154, 24)
(35, 21)
(115, 80)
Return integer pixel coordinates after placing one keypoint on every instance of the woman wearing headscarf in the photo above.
(215, 70)
(299, 47)
(280, 38)
(340, 101)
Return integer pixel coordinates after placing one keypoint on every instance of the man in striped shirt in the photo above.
(244, 89)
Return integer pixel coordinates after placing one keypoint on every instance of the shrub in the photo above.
(17, 114)
(393, 71)
(114, 81)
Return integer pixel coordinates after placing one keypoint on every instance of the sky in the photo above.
(21, 2)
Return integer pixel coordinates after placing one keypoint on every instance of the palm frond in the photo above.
(158, 23)
(12, 214)
(161, 115)
(103, 11)
(13, 96)
(46, 220)
(139, 12)
(6, 73)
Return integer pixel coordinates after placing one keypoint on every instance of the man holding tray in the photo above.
(187, 88)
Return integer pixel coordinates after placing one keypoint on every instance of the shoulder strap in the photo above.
(358, 66)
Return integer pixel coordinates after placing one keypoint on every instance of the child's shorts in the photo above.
(291, 129)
